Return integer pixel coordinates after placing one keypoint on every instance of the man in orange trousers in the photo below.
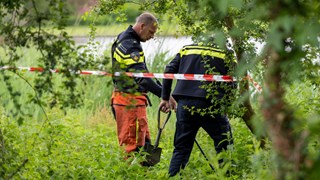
(129, 99)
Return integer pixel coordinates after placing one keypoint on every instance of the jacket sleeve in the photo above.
(130, 55)
(172, 67)
(147, 83)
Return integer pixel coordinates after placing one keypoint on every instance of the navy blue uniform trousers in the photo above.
(187, 126)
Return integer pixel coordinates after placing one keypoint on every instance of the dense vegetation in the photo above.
(59, 126)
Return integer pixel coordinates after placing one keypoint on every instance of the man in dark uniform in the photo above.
(129, 99)
(192, 96)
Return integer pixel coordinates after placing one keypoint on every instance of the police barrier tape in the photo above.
(255, 84)
(198, 77)
(203, 77)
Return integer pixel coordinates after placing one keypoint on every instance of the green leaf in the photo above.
(223, 6)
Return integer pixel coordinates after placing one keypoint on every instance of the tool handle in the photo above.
(165, 122)
(195, 140)
(156, 143)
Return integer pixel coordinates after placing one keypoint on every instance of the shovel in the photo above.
(153, 151)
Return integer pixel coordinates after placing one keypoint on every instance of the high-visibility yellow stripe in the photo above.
(203, 52)
(127, 59)
(189, 50)
(204, 48)
(124, 56)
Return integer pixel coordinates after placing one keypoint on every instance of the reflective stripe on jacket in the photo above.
(195, 59)
(128, 56)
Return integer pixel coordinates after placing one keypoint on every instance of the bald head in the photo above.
(146, 26)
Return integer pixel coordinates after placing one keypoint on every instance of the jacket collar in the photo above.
(133, 32)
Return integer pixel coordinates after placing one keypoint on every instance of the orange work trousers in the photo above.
(131, 117)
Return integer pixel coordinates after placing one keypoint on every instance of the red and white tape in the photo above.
(255, 84)
(199, 77)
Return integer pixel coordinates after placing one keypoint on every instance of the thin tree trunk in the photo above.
(243, 84)
(249, 112)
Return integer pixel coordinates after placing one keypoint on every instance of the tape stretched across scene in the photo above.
(198, 77)
(255, 84)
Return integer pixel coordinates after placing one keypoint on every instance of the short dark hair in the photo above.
(146, 18)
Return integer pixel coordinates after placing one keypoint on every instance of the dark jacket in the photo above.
(195, 59)
(128, 56)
